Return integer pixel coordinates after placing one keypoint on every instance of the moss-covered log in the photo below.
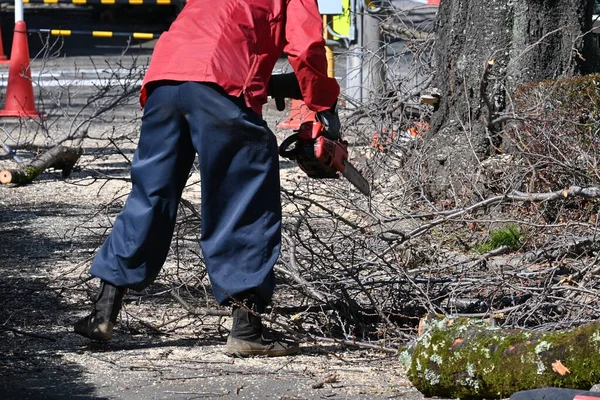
(467, 358)
(59, 157)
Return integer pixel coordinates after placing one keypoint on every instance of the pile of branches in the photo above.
(524, 256)
(357, 269)
(365, 270)
(368, 269)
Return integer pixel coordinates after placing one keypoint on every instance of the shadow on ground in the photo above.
(30, 310)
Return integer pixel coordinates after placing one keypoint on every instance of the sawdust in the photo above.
(50, 231)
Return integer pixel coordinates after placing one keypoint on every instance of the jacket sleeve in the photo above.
(305, 48)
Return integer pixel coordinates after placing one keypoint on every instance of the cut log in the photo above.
(468, 358)
(59, 157)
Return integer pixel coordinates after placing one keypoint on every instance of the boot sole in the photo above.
(242, 348)
(94, 338)
(91, 330)
(265, 353)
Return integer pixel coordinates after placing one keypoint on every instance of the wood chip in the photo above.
(559, 368)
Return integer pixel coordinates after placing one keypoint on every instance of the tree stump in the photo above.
(468, 358)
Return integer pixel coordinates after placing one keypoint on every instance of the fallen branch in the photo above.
(515, 195)
(578, 247)
(293, 272)
(572, 191)
(199, 312)
(34, 335)
(59, 157)
(353, 343)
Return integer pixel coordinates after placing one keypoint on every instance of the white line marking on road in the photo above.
(67, 78)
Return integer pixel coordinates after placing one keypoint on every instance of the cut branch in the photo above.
(199, 312)
(59, 157)
(515, 195)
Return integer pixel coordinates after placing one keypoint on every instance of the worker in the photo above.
(203, 93)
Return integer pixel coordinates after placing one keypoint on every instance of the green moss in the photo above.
(25, 175)
(508, 236)
(32, 172)
(486, 362)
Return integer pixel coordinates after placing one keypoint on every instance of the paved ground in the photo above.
(43, 261)
(48, 232)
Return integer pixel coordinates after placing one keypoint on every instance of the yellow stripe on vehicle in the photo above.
(163, 1)
(79, 1)
(107, 1)
(50, 1)
(139, 35)
(102, 34)
(60, 32)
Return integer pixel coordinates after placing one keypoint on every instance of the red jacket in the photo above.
(236, 43)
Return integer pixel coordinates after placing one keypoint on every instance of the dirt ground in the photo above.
(49, 232)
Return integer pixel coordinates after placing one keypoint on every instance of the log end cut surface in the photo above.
(5, 177)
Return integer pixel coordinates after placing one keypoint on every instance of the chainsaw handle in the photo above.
(284, 148)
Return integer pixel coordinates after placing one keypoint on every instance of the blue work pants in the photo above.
(240, 189)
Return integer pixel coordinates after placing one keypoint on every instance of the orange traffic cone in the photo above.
(19, 89)
(299, 113)
(3, 58)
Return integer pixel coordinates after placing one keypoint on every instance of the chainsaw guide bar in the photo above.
(322, 157)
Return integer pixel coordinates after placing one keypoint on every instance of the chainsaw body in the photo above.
(321, 157)
(317, 155)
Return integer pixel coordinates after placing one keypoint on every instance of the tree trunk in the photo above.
(59, 157)
(484, 50)
(467, 358)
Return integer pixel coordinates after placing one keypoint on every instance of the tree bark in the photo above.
(485, 49)
(59, 157)
(467, 358)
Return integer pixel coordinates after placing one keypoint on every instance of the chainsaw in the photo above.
(321, 157)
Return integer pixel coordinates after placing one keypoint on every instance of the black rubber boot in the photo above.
(247, 336)
(100, 323)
